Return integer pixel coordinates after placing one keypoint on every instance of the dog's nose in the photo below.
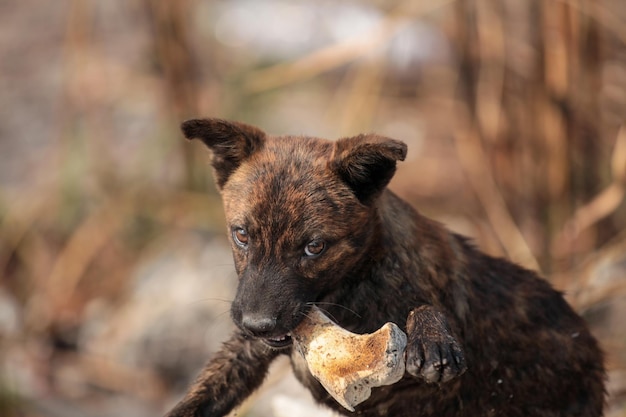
(258, 325)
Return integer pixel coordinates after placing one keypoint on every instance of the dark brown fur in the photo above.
(486, 337)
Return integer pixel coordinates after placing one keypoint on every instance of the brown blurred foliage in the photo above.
(514, 112)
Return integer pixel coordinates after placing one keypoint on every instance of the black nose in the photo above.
(258, 325)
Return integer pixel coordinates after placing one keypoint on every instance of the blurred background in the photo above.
(115, 275)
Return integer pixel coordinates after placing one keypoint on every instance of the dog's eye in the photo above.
(240, 236)
(314, 248)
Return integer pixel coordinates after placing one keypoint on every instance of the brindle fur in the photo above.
(486, 337)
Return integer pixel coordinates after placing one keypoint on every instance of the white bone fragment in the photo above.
(348, 365)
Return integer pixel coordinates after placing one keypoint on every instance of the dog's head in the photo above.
(300, 214)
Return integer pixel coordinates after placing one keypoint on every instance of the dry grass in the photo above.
(520, 143)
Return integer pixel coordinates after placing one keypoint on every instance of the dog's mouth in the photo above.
(279, 335)
(278, 342)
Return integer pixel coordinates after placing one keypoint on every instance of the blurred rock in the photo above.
(10, 325)
(176, 313)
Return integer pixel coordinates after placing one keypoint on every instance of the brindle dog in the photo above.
(312, 222)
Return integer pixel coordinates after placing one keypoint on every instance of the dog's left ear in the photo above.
(367, 163)
(229, 142)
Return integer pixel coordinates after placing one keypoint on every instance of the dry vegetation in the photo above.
(514, 114)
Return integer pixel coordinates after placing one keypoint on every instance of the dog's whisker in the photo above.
(328, 313)
(202, 300)
(337, 305)
(222, 314)
(305, 315)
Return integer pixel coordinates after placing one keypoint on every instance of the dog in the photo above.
(311, 222)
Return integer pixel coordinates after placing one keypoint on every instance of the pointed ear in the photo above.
(229, 142)
(367, 163)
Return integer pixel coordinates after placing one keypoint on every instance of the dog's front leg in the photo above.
(230, 377)
(433, 352)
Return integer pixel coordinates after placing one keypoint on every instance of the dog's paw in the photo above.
(433, 353)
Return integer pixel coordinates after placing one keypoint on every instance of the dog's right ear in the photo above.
(229, 142)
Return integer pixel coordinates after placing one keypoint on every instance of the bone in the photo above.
(348, 365)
